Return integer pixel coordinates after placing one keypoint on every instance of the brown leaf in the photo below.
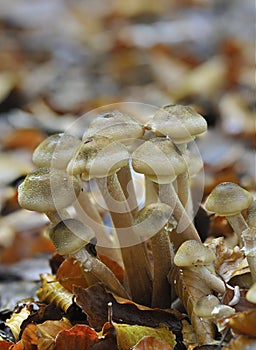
(29, 337)
(241, 342)
(242, 322)
(242, 305)
(78, 337)
(113, 266)
(23, 138)
(151, 343)
(5, 345)
(190, 287)
(70, 274)
(94, 301)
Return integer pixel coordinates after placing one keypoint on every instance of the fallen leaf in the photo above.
(5, 345)
(70, 274)
(128, 335)
(242, 305)
(241, 322)
(77, 337)
(23, 138)
(94, 300)
(151, 343)
(117, 270)
(241, 342)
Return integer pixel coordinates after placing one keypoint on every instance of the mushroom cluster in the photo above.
(86, 188)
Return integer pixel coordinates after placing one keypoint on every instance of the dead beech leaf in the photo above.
(190, 287)
(241, 342)
(117, 270)
(17, 346)
(242, 322)
(70, 274)
(77, 337)
(129, 335)
(151, 343)
(242, 305)
(29, 337)
(5, 345)
(94, 300)
(228, 260)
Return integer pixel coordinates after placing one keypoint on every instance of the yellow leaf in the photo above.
(128, 336)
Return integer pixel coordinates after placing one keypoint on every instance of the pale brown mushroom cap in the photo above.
(205, 305)
(192, 253)
(251, 214)
(116, 125)
(48, 189)
(152, 219)
(98, 156)
(227, 199)
(181, 123)
(251, 294)
(55, 151)
(159, 160)
(70, 235)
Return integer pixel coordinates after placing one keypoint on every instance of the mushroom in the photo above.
(251, 294)
(197, 257)
(249, 240)
(159, 161)
(100, 157)
(251, 214)
(153, 222)
(182, 124)
(70, 238)
(56, 151)
(228, 199)
(48, 191)
(122, 127)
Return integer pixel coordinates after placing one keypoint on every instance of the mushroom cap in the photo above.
(205, 305)
(227, 199)
(192, 253)
(48, 189)
(98, 156)
(181, 123)
(70, 235)
(251, 214)
(55, 151)
(251, 294)
(159, 160)
(116, 125)
(151, 219)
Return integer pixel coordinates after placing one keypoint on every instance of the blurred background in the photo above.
(60, 59)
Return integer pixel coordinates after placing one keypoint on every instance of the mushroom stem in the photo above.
(56, 216)
(163, 261)
(211, 280)
(184, 193)
(249, 239)
(151, 195)
(95, 267)
(136, 263)
(185, 229)
(125, 179)
(238, 224)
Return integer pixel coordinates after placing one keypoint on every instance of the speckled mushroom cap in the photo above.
(227, 199)
(181, 123)
(192, 253)
(251, 214)
(70, 235)
(48, 189)
(55, 151)
(152, 219)
(159, 160)
(116, 125)
(98, 156)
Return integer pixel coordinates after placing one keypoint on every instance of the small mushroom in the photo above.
(159, 161)
(48, 191)
(249, 240)
(70, 238)
(199, 258)
(153, 222)
(228, 199)
(182, 124)
(251, 294)
(100, 157)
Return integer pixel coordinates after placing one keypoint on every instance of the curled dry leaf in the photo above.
(94, 300)
(190, 287)
(241, 322)
(242, 303)
(42, 337)
(70, 274)
(78, 337)
(228, 260)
